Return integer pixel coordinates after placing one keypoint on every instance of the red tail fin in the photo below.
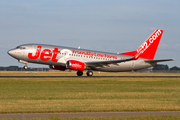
(148, 49)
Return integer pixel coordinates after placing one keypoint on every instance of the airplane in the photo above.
(62, 58)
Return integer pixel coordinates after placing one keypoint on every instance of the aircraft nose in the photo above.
(11, 52)
(15, 53)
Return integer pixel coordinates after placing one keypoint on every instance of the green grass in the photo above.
(36, 73)
(107, 118)
(31, 95)
(60, 73)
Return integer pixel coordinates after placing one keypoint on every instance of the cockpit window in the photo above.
(20, 47)
(17, 47)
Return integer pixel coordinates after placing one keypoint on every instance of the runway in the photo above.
(88, 114)
(89, 76)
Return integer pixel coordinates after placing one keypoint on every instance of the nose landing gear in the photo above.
(25, 67)
(24, 62)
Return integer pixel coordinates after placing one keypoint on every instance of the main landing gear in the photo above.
(89, 73)
(79, 73)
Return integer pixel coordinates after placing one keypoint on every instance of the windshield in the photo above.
(20, 47)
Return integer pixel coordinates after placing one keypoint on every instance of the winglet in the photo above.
(148, 49)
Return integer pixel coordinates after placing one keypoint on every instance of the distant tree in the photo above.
(175, 68)
(160, 67)
(16, 68)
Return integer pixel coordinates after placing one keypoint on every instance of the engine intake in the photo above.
(75, 65)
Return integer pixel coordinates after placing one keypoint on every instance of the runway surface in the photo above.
(89, 76)
(88, 114)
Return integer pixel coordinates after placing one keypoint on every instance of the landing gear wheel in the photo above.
(25, 67)
(79, 73)
(89, 73)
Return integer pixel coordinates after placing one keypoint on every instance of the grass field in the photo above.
(32, 95)
(108, 118)
(57, 73)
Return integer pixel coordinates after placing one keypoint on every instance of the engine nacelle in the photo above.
(57, 67)
(75, 65)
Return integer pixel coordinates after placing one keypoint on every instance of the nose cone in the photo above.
(10, 52)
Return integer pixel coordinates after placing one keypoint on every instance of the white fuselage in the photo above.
(57, 55)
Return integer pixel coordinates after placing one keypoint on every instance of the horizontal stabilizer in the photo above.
(155, 61)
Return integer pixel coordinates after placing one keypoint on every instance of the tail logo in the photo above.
(147, 43)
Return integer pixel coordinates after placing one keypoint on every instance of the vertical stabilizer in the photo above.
(148, 49)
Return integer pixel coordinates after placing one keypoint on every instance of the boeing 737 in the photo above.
(62, 58)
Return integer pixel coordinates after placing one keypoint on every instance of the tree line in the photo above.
(17, 68)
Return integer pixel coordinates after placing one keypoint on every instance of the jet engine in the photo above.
(57, 67)
(75, 65)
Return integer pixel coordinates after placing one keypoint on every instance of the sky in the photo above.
(102, 25)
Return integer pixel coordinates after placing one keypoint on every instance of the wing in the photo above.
(105, 63)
